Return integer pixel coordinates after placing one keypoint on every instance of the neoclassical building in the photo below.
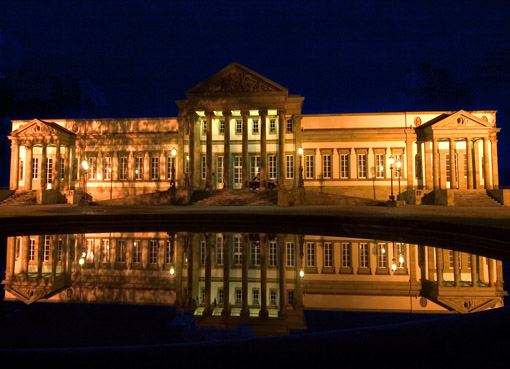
(238, 124)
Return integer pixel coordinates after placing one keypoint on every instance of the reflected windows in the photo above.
(153, 251)
(107, 168)
(238, 169)
(49, 170)
(121, 251)
(35, 168)
(237, 250)
(154, 168)
(272, 125)
(272, 297)
(310, 254)
(123, 168)
(168, 252)
(221, 295)
(382, 255)
(170, 163)
(139, 167)
(362, 165)
(105, 251)
(239, 126)
(137, 252)
(238, 296)
(203, 169)
(290, 166)
(62, 168)
(326, 166)
(290, 297)
(272, 166)
(219, 169)
(291, 254)
(202, 252)
(255, 296)
(255, 166)
(346, 255)
(379, 165)
(46, 252)
(90, 250)
(272, 253)
(255, 254)
(92, 168)
(21, 170)
(60, 248)
(309, 166)
(328, 254)
(399, 253)
(219, 250)
(290, 126)
(222, 126)
(363, 255)
(31, 251)
(255, 126)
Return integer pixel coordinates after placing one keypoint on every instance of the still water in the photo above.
(268, 281)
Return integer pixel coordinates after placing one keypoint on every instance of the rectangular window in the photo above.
(123, 168)
(153, 251)
(239, 126)
(255, 126)
(204, 127)
(346, 255)
(272, 166)
(107, 168)
(219, 168)
(290, 254)
(451, 259)
(362, 165)
(49, 170)
(154, 168)
(222, 126)
(105, 251)
(238, 250)
(448, 168)
(310, 254)
(137, 252)
(379, 165)
(290, 126)
(290, 297)
(468, 261)
(46, 254)
(221, 295)
(202, 252)
(90, 251)
(398, 158)
(202, 295)
(139, 167)
(289, 159)
(399, 252)
(255, 253)
(203, 167)
(328, 254)
(326, 166)
(238, 296)
(382, 255)
(219, 250)
(272, 253)
(121, 251)
(363, 255)
(344, 166)
(238, 169)
(21, 170)
(272, 125)
(186, 165)
(255, 166)
(62, 168)
(168, 252)
(93, 168)
(255, 295)
(60, 247)
(170, 163)
(35, 168)
(31, 252)
(309, 166)
(272, 297)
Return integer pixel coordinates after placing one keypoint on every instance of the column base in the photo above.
(207, 312)
(226, 312)
(245, 313)
(263, 313)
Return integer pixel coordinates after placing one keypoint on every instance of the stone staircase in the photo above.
(20, 198)
(239, 198)
(474, 198)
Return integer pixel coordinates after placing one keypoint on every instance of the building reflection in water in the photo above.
(262, 279)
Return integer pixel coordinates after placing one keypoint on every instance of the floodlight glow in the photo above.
(85, 165)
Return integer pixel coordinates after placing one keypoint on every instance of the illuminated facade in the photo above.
(238, 124)
(248, 276)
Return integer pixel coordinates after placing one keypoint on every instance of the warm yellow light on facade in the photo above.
(85, 165)
(381, 168)
(401, 259)
(300, 151)
(391, 160)
(172, 270)
(174, 152)
(393, 267)
(399, 164)
(301, 273)
(81, 261)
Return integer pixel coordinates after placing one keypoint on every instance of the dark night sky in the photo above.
(342, 56)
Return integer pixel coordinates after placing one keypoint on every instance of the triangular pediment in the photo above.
(468, 304)
(237, 79)
(37, 127)
(459, 119)
(30, 294)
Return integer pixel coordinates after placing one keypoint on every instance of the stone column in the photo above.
(14, 166)
(144, 244)
(10, 258)
(428, 179)
(146, 166)
(453, 168)
(499, 274)
(226, 274)
(410, 174)
(491, 273)
(131, 166)
(53, 255)
(282, 312)
(263, 148)
(469, 153)
(115, 166)
(486, 164)
(40, 249)
(435, 163)
(192, 150)
(208, 243)
(299, 143)
(226, 150)
(353, 172)
(456, 273)
(68, 169)
(28, 168)
(245, 114)
(244, 310)
(461, 169)
(57, 167)
(299, 242)
(263, 276)
(179, 242)
(208, 152)
(44, 168)
(335, 164)
(163, 165)
(439, 266)
(494, 162)
(281, 148)
(474, 270)
(25, 249)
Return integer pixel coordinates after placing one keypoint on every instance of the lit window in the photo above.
(346, 255)
(154, 168)
(219, 250)
(290, 166)
(272, 125)
(309, 166)
(219, 169)
(170, 163)
(382, 255)
(46, 255)
(93, 168)
(105, 251)
(107, 168)
(139, 167)
(222, 126)
(328, 254)
(290, 254)
(326, 166)
(31, 253)
(290, 126)
(255, 254)
(153, 251)
(168, 252)
(379, 165)
(237, 250)
(121, 251)
(255, 166)
(272, 166)
(310, 254)
(272, 253)
(137, 252)
(255, 126)
(362, 165)
(49, 170)
(123, 168)
(239, 126)
(238, 169)
(35, 168)
(363, 255)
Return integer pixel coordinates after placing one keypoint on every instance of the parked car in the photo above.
(254, 183)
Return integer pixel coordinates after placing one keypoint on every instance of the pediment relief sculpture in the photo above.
(236, 81)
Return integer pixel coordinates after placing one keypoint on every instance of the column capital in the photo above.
(227, 113)
(281, 112)
(245, 113)
(209, 113)
(263, 112)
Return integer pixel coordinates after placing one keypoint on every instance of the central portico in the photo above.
(238, 124)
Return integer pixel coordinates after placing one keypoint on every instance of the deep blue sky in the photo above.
(342, 56)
